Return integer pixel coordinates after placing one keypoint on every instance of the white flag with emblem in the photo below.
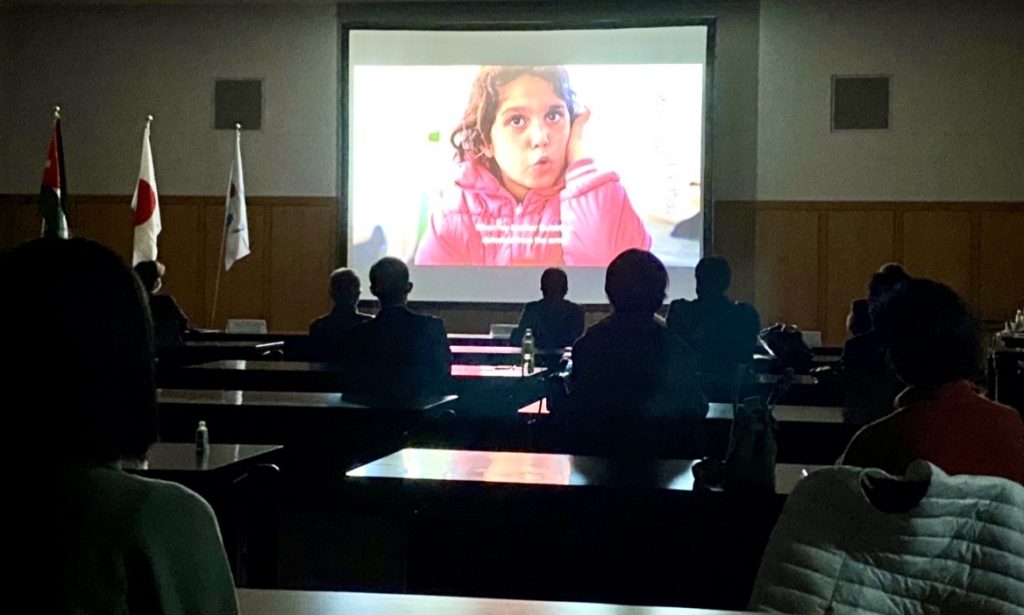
(236, 225)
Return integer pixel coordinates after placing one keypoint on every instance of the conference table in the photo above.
(282, 417)
(239, 481)
(485, 412)
(181, 462)
(487, 355)
(804, 434)
(561, 527)
(486, 392)
(294, 602)
(478, 339)
(814, 434)
(801, 389)
(554, 470)
(193, 352)
(318, 377)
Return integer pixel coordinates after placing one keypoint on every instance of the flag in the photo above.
(236, 225)
(53, 193)
(146, 206)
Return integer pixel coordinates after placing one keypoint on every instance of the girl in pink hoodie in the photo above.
(526, 194)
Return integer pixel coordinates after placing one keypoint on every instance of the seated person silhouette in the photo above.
(932, 339)
(870, 384)
(398, 356)
(326, 333)
(858, 321)
(633, 388)
(78, 368)
(555, 322)
(169, 321)
(722, 332)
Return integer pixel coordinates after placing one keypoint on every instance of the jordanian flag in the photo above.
(146, 206)
(53, 194)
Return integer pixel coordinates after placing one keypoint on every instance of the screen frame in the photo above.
(501, 16)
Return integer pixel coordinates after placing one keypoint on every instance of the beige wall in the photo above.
(804, 214)
(957, 100)
(110, 66)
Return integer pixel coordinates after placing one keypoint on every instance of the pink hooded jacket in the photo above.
(584, 222)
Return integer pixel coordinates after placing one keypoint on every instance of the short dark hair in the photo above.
(344, 285)
(554, 281)
(933, 336)
(149, 273)
(859, 319)
(78, 361)
(713, 274)
(890, 277)
(389, 279)
(636, 282)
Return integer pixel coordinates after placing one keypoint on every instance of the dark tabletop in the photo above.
(291, 602)
(547, 469)
(173, 456)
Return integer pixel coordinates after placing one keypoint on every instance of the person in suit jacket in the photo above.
(633, 388)
(722, 332)
(870, 383)
(398, 355)
(555, 321)
(169, 321)
(326, 333)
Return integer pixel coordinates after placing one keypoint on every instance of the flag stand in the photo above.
(220, 270)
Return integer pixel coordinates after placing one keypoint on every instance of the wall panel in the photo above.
(859, 242)
(786, 266)
(803, 262)
(303, 241)
(1001, 263)
(937, 245)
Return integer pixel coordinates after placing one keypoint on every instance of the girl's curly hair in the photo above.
(472, 134)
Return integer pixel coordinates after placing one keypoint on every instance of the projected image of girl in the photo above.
(527, 194)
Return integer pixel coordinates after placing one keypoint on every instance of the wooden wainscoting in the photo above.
(809, 260)
(283, 280)
(799, 262)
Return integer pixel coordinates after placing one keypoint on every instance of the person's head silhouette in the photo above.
(636, 282)
(932, 336)
(389, 281)
(78, 359)
(554, 283)
(151, 275)
(713, 275)
(344, 287)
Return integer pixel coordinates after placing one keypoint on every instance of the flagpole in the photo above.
(56, 118)
(220, 261)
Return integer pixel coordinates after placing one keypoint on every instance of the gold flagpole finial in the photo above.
(56, 112)
(238, 126)
(149, 119)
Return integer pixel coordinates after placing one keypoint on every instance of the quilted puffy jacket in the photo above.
(585, 221)
(960, 549)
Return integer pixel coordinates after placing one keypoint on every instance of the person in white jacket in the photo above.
(77, 371)
(854, 540)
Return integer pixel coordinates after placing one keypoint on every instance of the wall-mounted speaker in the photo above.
(238, 101)
(860, 102)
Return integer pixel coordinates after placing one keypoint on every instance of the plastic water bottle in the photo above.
(529, 351)
(202, 439)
